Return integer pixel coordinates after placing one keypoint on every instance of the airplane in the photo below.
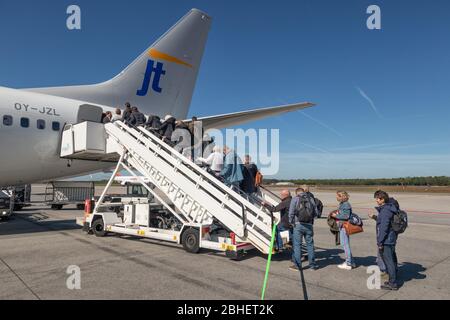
(160, 81)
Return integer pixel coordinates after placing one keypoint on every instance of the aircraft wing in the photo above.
(236, 118)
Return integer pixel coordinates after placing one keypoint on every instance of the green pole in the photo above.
(268, 262)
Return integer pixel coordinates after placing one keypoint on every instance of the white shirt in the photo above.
(215, 161)
(116, 117)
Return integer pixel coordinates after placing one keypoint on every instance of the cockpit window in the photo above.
(41, 124)
(55, 126)
(24, 122)
(7, 120)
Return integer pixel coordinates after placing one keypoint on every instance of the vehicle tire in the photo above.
(98, 227)
(18, 207)
(80, 206)
(191, 241)
(57, 206)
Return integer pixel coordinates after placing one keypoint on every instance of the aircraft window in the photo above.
(41, 124)
(7, 120)
(24, 122)
(55, 126)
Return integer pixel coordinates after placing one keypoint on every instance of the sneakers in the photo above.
(293, 268)
(314, 267)
(389, 286)
(345, 266)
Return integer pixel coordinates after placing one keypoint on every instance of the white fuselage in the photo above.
(31, 154)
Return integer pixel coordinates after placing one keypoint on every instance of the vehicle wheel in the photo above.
(57, 206)
(18, 207)
(80, 206)
(190, 240)
(99, 228)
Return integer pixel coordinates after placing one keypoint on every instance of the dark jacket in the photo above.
(137, 119)
(126, 115)
(385, 234)
(334, 229)
(248, 184)
(283, 208)
(167, 128)
(153, 122)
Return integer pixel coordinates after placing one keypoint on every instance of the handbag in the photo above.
(351, 228)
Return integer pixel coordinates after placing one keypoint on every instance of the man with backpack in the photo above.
(302, 211)
(387, 233)
(380, 262)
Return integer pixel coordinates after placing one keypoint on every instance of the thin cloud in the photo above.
(365, 96)
(322, 124)
(389, 146)
(310, 146)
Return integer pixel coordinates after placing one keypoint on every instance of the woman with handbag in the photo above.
(342, 215)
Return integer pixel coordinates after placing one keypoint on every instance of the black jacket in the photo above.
(248, 184)
(153, 122)
(167, 128)
(283, 208)
(126, 115)
(137, 119)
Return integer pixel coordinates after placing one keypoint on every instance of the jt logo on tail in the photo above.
(158, 72)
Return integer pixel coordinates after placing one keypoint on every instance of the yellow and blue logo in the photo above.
(157, 70)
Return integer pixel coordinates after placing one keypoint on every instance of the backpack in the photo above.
(319, 206)
(399, 222)
(258, 179)
(355, 220)
(304, 210)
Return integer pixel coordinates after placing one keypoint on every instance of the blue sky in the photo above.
(382, 95)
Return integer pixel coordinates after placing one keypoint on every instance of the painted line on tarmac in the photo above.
(20, 279)
(269, 259)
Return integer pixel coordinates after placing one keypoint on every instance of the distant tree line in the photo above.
(408, 181)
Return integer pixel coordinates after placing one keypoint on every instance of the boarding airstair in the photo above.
(198, 196)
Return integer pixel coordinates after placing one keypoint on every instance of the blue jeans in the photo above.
(380, 262)
(345, 241)
(300, 231)
(281, 228)
(390, 260)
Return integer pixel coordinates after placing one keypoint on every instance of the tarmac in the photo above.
(38, 245)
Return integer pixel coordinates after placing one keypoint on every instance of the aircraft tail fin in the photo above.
(161, 80)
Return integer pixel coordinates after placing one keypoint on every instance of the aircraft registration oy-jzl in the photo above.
(160, 81)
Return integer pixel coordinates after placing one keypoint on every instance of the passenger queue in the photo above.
(297, 213)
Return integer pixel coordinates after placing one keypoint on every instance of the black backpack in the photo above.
(304, 210)
(319, 206)
(399, 222)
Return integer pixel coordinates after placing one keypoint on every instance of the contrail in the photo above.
(365, 96)
(310, 146)
(323, 124)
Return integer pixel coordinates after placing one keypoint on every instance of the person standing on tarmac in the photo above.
(387, 238)
(283, 208)
(343, 214)
(302, 211)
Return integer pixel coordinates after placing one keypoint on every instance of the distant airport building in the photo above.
(284, 184)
